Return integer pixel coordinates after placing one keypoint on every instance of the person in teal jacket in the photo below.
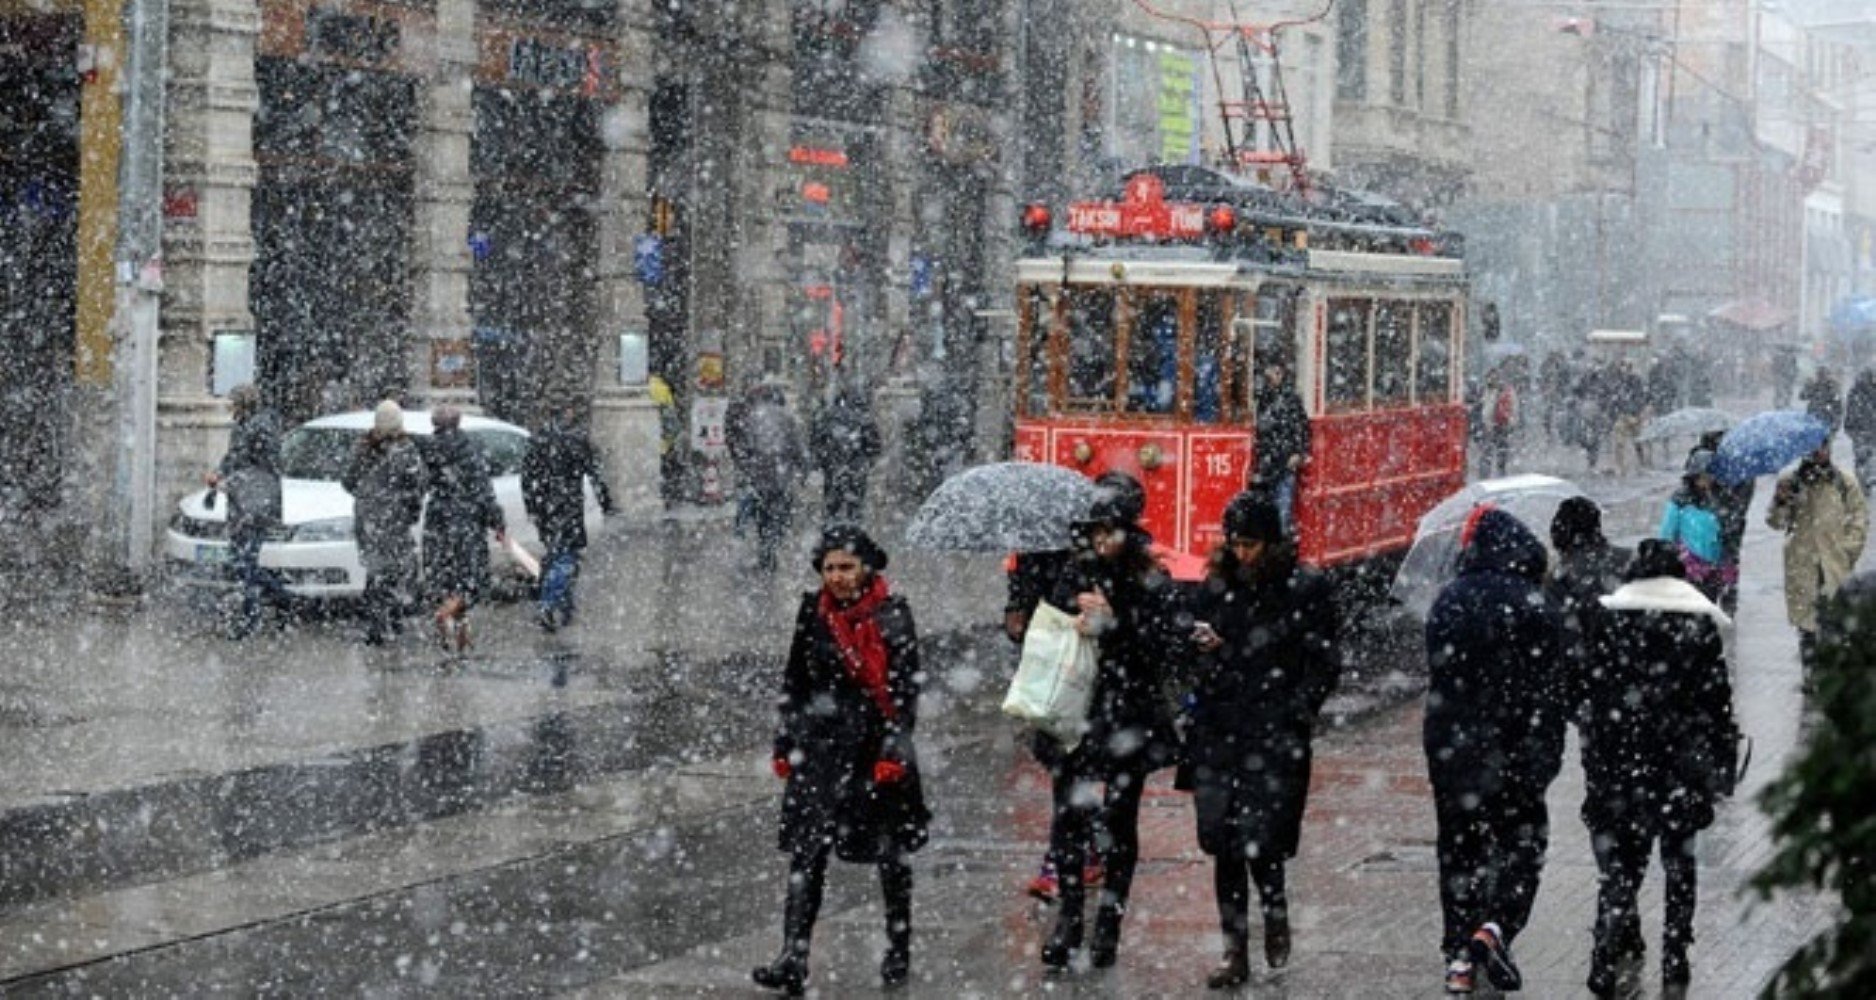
(1692, 523)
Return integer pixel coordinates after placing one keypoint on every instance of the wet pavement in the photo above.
(589, 812)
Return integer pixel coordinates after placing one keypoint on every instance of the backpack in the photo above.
(1505, 407)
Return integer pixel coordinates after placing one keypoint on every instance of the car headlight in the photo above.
(332, 529)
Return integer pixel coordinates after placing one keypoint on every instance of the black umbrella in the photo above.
(1005, 507)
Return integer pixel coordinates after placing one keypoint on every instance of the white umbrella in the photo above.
(1431, 562)
(1690, 421)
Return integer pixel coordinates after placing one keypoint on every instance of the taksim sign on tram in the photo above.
(1142, 212)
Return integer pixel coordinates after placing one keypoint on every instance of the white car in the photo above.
(314, 551)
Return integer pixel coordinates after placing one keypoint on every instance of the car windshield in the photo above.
(322, 452)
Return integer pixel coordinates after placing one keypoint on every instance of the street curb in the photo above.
(86, 842)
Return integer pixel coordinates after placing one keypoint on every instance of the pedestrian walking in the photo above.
(1553, 377)
(1658, 742)
(1282, 440)
(561, 460)
(1501, 421)
(670, 442)
(845, 443)
(1592, 413)
(1784, 375)
(461, 510)
(1823, 398)
(1626, 399)
(249, 474)
(1266, 629)
(1859, 421)
(849, 707)
(1825, 518)
(1493, 734)
(1690, 522)
(1587, 567)
(1127, 603)
(770, 457)
(386, 479)
(1730, 504)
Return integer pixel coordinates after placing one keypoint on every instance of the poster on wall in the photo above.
(1154, 114)
(709, 426)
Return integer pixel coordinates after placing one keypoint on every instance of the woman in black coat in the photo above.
(849, 705)
(1658, 737)
(1496, 712)
(1267, 630)
(1130, 607)
(460, 511)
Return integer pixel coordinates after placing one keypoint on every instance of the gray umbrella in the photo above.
(1432, 562)
(1004, 507)
(1692, 421)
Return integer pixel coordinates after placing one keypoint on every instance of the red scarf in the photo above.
(861, 644)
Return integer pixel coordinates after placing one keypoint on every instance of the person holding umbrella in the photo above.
(1825, 518)
(1266, 631)
(849, 705)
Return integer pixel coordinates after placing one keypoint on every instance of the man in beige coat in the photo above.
(1826, 520)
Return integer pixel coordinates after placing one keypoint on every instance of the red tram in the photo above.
(1144, 320)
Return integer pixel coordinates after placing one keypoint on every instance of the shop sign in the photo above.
(352, 37)
(959, 134)
(710, 370)
(181, 205)
(574, 67)
(452, 366)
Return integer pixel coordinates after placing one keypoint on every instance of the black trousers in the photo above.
(807, 879)
(1231, 882)
(1106, 817)
(1622, 863)
(1491, 854)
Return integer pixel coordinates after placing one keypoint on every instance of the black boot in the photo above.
(1104, 948)
(1277, 940)
(789, 972)
(1066, 937)
(896, 967)
(1235, 968)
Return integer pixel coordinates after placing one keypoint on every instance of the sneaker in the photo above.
(1093, 874)
(1489, 951)
(1044, 886)
(545, 619)
(1459, 976)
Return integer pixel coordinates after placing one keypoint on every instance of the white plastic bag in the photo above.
(1054, 684)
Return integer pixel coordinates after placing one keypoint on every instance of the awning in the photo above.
(1751, 314)
(1856, 314)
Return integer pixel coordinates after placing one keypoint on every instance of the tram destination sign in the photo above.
(1142, 212)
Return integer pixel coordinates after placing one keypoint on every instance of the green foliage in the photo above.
(1823, 810)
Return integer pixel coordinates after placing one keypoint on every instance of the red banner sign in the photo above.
(1142, 212)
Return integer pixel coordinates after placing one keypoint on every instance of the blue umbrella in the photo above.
(1766, 443)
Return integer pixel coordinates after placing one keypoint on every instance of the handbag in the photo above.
(1054, 683)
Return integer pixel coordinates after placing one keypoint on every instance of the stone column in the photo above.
(760, 318)
(625, 420)
(443, 192)
(208, 241)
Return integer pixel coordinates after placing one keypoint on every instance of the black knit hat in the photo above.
(1578, 523)
(1653, 558)
(847, 538)
(1252, 516)
(1119, 499)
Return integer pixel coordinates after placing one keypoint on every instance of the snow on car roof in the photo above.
(415, 422)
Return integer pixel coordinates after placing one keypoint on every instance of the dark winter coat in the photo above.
(1282, 432)
(462, 510)
(1823, 399)
(1497, 690)
(250, 475)
(771, 455)
(832, 732)
(1658, 731)
(1575, 587)
(1256, 702)
(1130, 721)
(386, 479)
(1033, 577)
(845, 442)
(1859, 408)
(553, 486)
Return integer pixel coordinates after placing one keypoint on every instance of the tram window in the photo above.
(1153, 355)
(1433, 377)
(1393, 344)
(1091, 347)
(1038, 320)
(1345, 378)
(1265, 334)
(1209, 361)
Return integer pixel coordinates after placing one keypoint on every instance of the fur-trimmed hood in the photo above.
(1664, 593)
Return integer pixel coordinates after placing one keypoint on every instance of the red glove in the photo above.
(888, 772)
(781, 767)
